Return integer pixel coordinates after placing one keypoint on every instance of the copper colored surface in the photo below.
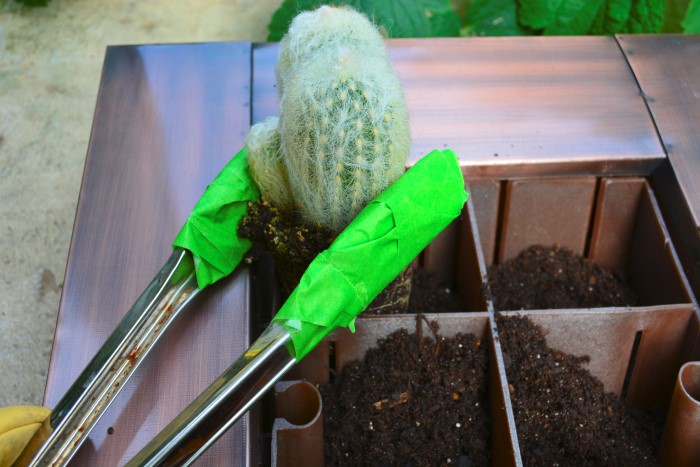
(680, 446)
(167, 120)
(653, 267)
(613, 222)
(520, 106)
(668, 71)
(470, 269)
(439, 257)
(485, 194)
(297, 433)
(546, 212)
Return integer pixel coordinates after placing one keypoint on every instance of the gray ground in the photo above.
(50, 64)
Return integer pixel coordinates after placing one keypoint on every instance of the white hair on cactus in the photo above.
(266, 164)
(344, 131)
(321, 29)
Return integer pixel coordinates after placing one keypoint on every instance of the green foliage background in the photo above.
(437, 18)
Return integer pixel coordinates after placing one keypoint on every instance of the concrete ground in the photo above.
(50, 64)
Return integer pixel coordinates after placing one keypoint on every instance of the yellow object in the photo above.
(18, 424)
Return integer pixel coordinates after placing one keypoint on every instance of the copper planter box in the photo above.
(613, 221)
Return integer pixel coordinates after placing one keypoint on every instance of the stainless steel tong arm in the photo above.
(225, 401)
(93, 391)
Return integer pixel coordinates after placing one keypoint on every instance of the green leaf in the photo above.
(494, 18)
(399, 18)
(444, 24)
(560, 17)
(574, 17)
(691, 21)
(284, 15)
(612, 17)
(34, 3)
(537, 14)
(647, 16)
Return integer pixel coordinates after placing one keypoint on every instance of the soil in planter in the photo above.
(562, 413)
(294, 244)
(415, 399)
(553, 277)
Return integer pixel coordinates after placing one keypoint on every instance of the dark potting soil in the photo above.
(294, 244)
(562, 413)
(554, 277)
(412, 400)
(429, 294)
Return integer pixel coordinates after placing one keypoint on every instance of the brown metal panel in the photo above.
(653, 268)
(485, 195)
(613, 223)
(546, 212)
(297, 433)
(504, 432)
(668, 71)
(525, 106)
(167, 120)
(439, 256)
(470, 269)
(607, 336)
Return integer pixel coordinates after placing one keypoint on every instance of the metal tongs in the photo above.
(94, 390)
(98, 385)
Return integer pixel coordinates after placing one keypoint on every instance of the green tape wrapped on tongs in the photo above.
(337, 286)
(206, 250)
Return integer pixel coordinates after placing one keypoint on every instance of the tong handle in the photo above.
(94, 390)
(223, 403)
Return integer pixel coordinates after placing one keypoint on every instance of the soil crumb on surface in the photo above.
(413, 400)
(562, 413)
(542, 278)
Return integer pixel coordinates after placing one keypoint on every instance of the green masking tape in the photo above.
(210, 232)
(377, 245)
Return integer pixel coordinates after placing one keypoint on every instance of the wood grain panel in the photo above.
(513, 106)
(668, 71)
(167, 120)
(546, 212)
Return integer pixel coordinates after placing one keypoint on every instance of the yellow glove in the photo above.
(18, 424)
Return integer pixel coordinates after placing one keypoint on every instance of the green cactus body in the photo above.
(266, 164)
(326, 28)
(344, 133)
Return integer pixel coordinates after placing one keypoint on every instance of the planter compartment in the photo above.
(636, 353)
(615, 222)
(343, 347)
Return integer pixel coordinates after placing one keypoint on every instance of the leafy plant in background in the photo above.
(33, 3)
(397, 18)
(437, 18)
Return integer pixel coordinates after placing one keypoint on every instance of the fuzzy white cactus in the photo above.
(343, 127)
(344, 133)
(327, 28)
(266, 164)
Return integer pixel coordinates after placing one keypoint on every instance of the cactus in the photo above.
(266, 164)
(341, 139)
(326, 28)
(344, 134)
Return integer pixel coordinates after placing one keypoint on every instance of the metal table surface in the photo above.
(167, 119)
